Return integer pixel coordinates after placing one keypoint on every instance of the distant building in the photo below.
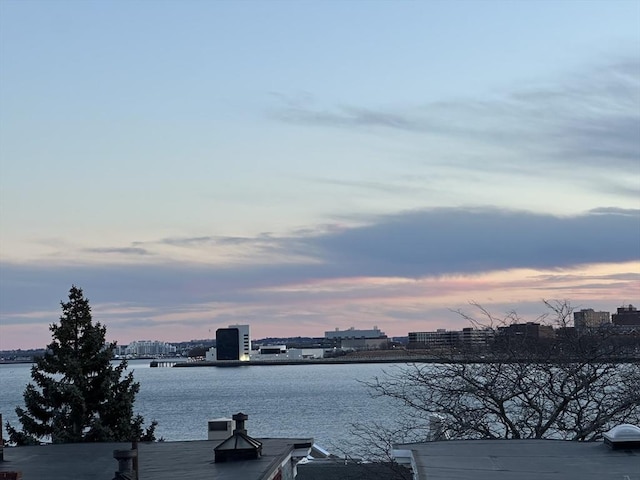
(588, 318)
(149, 348)
(120, 350)
(476, 338)
(264, 353)
(364, 343)
(272, 349)
(441, 338)
(353, 333)
(233, 343)
(352, 339)
(211, 355)
(445, 339)
(527, 337)
(282, 353)
(527, 331)
(627, 315)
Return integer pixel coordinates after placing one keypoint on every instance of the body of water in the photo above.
(319, 401)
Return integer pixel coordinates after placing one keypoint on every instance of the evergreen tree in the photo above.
(77, 395)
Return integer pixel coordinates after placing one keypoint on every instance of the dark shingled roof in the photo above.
(336, 469)
(191, 460)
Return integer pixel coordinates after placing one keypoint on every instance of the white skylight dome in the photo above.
(623, 436)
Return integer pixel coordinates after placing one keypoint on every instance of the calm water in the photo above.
(318, 401)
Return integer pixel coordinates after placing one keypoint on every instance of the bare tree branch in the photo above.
(571, 386)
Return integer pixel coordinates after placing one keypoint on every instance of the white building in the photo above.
(149, 348)
(353, 333)
(211, 355)
(281, 352)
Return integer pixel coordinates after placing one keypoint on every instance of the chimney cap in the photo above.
(240, 416)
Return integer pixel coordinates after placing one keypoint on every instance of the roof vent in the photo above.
(623, 436)
(220, 428)
(238, 446)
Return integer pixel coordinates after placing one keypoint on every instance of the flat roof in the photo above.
(187, 460)
(338, 469)
(522, 460)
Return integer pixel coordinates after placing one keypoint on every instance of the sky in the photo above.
(311, 165)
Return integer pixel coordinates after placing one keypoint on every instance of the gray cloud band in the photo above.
(426, 243)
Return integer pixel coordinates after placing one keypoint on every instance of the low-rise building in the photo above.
(441, 338)
(352, 339)
(627, 315)
(375, 332)
(469, 338)
(281, 352)
(149, 348)
(527, 331)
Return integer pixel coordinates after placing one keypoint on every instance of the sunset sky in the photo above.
(301, 166)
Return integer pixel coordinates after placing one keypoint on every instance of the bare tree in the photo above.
(570, 386)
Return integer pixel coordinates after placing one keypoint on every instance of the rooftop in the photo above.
(189, 460)
(339, 469)
(522, 460)
(440, 460)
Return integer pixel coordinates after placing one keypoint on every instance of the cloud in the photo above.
(119, 250)
(616, 211)
(449, 241)
(187, 241)
(347, 116)
(428, 242)
(588, 119)
(410, 245)
(384, 187)
(264, 242)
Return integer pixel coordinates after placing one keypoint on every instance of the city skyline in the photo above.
(311, 165)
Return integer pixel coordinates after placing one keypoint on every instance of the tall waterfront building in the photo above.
(233, 343)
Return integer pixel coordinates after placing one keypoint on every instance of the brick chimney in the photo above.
(240, 418)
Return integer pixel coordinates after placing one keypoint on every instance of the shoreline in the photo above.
(319, 361)
(399, 359)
